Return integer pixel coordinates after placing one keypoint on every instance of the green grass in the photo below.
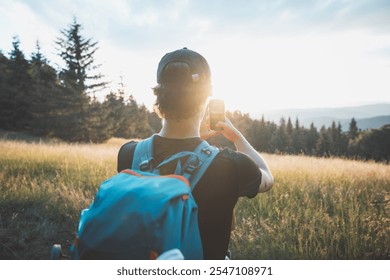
(318, 208)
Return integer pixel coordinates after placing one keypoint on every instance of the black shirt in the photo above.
(231, 175)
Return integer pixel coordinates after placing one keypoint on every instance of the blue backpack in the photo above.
(140, 214)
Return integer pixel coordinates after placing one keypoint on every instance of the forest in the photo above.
(61, 103)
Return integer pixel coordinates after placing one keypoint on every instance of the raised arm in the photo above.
(243, 146)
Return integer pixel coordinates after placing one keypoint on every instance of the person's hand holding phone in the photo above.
(229, 131)
(216, 123)
(216, 113)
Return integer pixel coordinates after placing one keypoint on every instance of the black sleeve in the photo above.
(125, 155)
(248, 175)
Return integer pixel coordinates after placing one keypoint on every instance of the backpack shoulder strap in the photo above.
(124, 155)
(143, 159)
(206, 154)
(143, 154)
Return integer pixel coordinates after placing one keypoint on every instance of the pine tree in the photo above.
(333, 136)
(78, 55)
(340, 141)
(4, 91)
(143, 129)
(289, 136)
(155, 122)
(324, 143)
(311, 140)
(100, 125)
(279, 140)
(129, 114)
(297, 143)
(44, 90)
(253, 135)
(115, 107)
(353, 129)
(16, 103)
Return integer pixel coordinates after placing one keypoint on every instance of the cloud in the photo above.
(296, 17)
(261, 40)
(146, 24)
(26, 25)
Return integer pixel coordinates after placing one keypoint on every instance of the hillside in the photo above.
(367, 116)
(363, 124)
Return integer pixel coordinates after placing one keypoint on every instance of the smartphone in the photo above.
(216, 113)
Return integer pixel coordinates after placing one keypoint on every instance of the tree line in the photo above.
(289, 137)
(37, 98)
(60, 102)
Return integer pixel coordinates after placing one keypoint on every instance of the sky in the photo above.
(264, 54)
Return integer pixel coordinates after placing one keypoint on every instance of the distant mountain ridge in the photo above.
(366, 116)
(363, 124)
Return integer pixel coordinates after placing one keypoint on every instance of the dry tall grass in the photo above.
(43, 187)
(318, 209)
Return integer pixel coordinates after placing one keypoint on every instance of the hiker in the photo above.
(182, 92)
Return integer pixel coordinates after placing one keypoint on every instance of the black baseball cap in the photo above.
(198, 67)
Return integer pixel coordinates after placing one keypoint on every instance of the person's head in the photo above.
(183, 84)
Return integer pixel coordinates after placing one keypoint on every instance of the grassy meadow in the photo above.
(318, 209)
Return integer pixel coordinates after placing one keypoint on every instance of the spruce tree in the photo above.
(4, 91)
(155, 122)
(324, 143)
(279, 140)
(311, 140)
(100, 125)
(115, 107)
(143, 129)
(289, 136)
(130, 116)
(340, 141)
(79, 81)
(297, 138)
(353, 129)
(16, 103)
(44, 91)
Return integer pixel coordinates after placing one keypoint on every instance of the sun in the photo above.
(265, 74)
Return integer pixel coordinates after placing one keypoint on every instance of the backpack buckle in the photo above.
(208, 152)
(146, 165)
(191, 168)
